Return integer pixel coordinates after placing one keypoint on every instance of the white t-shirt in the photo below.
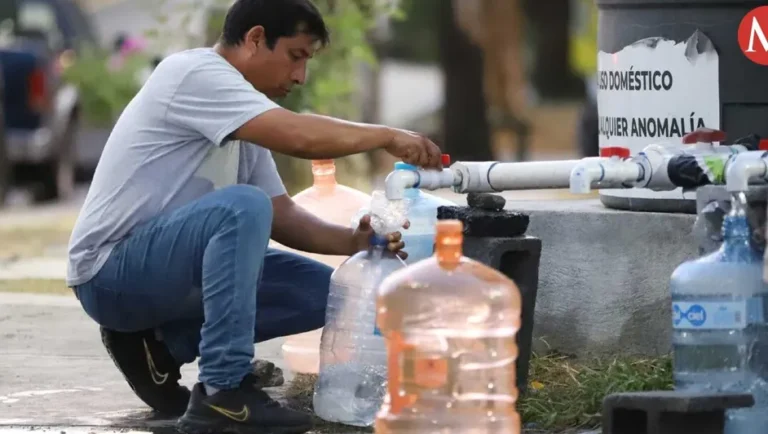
(169, 147)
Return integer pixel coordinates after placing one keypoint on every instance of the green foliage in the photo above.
(104, 92)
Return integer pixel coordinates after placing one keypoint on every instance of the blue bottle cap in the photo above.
(379, 240)
(405, 166)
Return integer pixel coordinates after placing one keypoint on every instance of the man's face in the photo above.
(275, 71)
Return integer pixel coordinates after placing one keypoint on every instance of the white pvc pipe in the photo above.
(744, 168)
(531, 175)
(608, 173)
(435, 179)
(398, 181)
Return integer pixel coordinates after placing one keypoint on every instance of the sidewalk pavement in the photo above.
(54, 370)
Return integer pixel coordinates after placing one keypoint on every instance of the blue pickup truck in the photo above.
(38, 40)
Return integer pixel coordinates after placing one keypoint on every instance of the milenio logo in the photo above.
(752, 35)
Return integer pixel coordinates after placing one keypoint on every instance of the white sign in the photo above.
(656, 91)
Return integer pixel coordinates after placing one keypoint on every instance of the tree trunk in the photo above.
(466, 133)
(552, 74)
(497, 27)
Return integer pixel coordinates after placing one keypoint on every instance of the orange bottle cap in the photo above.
(450, 227)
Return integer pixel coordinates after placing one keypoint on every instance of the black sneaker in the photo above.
(149, 368)
(153, 374)
(244, 410)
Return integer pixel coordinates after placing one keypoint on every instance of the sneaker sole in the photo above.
(191, 425)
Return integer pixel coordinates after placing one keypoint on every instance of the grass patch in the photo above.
(565, 394)
(568, 393)
(32, 240)
(35, 286)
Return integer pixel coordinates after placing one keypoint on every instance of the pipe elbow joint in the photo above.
(742, 170)
(583, 175)
(398, 181)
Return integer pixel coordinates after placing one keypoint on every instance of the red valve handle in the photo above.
(615, 151)
(445, 160)
(704, 135)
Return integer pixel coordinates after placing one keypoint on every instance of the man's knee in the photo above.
(247, 205)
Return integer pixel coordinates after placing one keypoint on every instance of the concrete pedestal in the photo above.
(604, 274)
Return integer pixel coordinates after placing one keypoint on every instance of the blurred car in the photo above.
(38, 40)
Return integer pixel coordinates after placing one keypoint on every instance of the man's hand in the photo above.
(364, 232)
(415, 149)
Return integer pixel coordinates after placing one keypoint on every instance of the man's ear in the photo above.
(256, 39)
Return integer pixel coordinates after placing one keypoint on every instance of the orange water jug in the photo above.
(450, 325)
(334, 203)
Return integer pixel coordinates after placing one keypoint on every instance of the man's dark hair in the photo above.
(280, 18)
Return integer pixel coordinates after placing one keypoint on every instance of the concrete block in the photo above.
(669, 412)
(517, 258)
(604, 274)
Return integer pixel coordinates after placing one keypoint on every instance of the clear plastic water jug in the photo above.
(353, 363)
(335, 203)
(450, 325)
(720, 338)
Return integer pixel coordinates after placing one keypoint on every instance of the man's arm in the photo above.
(315, 137)
(214, 100)
(312, 136)
(297, 228)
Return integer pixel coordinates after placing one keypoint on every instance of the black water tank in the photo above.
(743, 83)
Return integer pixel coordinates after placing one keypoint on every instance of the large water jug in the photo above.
(720, 338)
(335, 203)
(450, 325)
(353, 364)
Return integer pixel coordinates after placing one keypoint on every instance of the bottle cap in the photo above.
(448, 242)
(405, 166)
(379, 240)
(445, 159)
(449, 227)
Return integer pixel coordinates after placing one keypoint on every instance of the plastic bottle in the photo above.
(450, 325)
(720, 338)
(353, 363)
(331, 202)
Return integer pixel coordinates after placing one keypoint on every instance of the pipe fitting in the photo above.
(435, 179)
(474, 176)
(608, 173)
(398, 181)
(745, 167)
(584, 175)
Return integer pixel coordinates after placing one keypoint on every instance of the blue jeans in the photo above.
(203, 277)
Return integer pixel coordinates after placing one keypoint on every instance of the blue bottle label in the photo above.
(716, 315)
